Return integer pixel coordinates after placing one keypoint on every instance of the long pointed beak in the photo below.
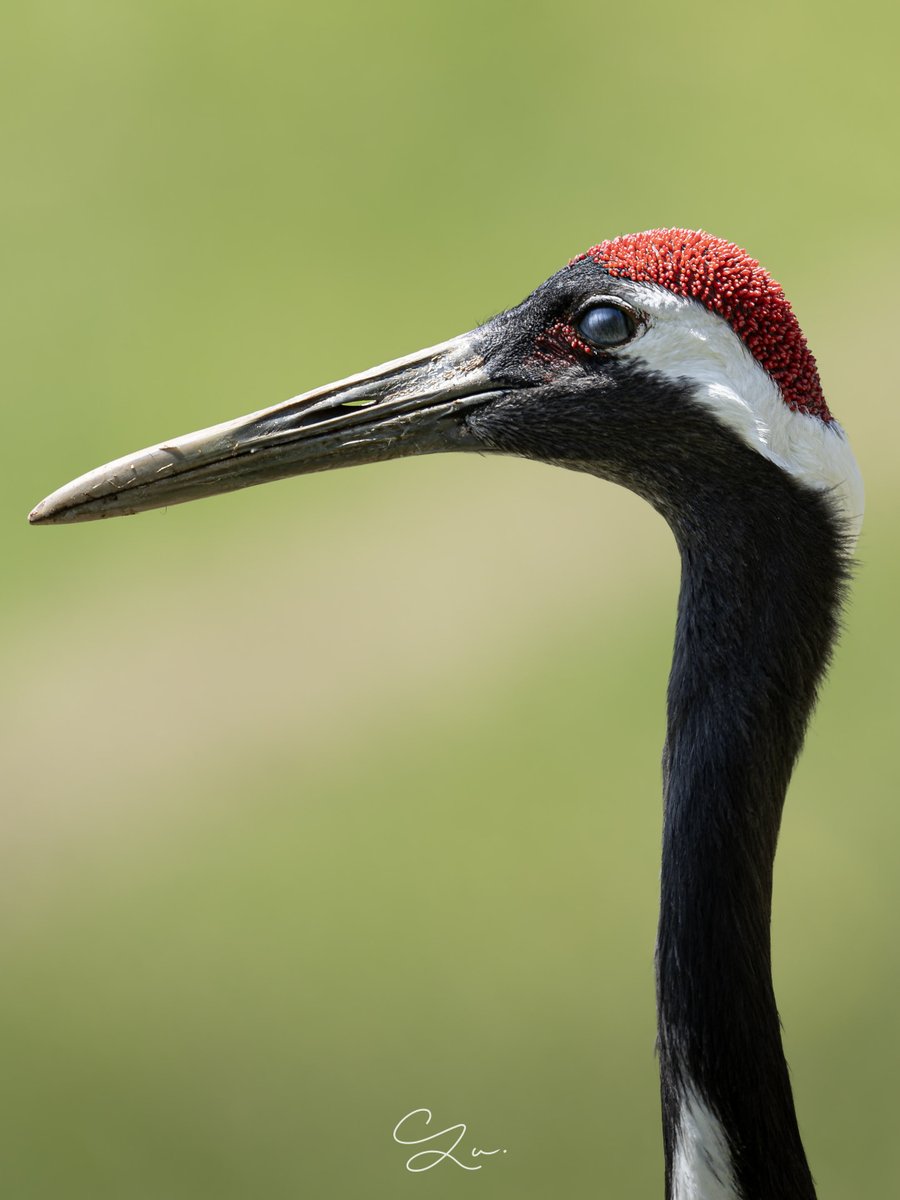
(412, 405)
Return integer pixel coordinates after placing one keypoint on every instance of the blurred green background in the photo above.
(334, 799)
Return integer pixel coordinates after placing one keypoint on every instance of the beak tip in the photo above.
(39, 514)
(56, 509)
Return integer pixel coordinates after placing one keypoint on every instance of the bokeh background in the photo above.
(334, 799)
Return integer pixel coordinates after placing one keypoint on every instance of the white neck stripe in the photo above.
(685, 341)
(702, 1167)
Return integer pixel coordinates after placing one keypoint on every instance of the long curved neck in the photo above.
(760, 593)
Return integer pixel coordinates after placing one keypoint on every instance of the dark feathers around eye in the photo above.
(605, 325)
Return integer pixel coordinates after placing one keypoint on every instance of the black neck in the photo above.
(762, 580)
(764, 567)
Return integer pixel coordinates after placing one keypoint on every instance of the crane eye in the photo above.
(605, 325)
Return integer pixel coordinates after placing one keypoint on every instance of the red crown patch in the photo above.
(730, 283)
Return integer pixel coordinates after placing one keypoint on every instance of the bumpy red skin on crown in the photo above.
(729, 282)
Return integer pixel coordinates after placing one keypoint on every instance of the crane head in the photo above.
(638, 362)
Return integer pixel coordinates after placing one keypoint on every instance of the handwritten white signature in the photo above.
(424, 1160)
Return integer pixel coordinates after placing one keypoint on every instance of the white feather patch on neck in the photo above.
(702, 1166)
(684, 340)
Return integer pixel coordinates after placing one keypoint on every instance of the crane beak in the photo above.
(413, 405)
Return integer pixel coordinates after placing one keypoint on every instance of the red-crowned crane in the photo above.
(669, 362)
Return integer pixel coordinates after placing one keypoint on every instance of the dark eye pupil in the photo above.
(605, 325)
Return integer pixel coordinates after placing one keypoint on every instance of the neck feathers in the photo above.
(761, 590)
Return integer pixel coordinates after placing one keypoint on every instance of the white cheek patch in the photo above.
(684, 340)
